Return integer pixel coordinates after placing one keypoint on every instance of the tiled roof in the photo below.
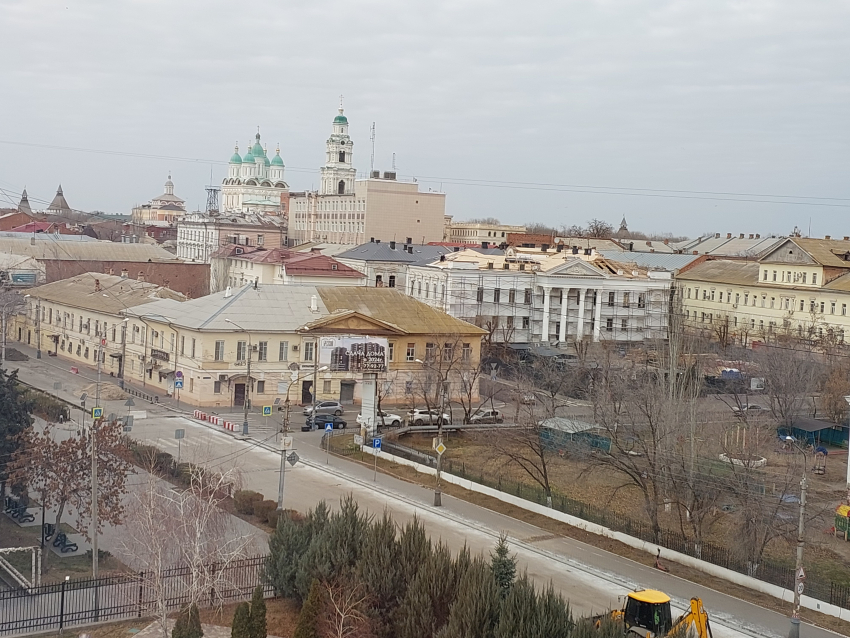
(318, 264)
(374, 251)
(103, 293)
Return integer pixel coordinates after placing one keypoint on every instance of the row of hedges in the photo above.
(45, 405)
(251, 503)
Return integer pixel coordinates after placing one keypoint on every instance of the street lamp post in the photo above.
(799, 575)
(123, 362)
(246, 398)
(438, 496)
(37, 330)
(5, 315)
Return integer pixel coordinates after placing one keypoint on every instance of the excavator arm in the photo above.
(696, 619)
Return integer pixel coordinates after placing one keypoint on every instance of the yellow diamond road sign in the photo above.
(440, 448)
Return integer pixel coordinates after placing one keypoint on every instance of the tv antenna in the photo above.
(372, 137)
(393, 162)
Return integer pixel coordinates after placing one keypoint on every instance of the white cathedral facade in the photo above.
(254, 184)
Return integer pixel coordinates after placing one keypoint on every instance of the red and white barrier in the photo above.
(196, 414)
(215, 420)
(229, 425)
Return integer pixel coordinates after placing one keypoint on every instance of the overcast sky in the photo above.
(748, 97)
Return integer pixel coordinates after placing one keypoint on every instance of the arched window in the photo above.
(340, 188)
(342, 156)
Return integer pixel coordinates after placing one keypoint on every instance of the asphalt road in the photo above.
(592, 579)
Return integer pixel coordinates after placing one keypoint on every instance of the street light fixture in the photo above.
(438, 497)
(247, 379)
(799, 576)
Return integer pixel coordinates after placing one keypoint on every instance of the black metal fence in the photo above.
(93, 600)
(768, 570)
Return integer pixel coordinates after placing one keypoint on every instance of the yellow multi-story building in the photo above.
(799, 288)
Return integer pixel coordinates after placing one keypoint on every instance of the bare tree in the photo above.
(599, 228)
(187, 528)
(790, 375)
(448, 373)
(345, 613)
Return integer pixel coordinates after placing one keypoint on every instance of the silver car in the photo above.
(325, 407)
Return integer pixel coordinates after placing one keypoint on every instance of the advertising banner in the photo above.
(353, 354)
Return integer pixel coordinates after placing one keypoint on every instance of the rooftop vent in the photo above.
(485, 244)
(410, 249)
(717, 235)
(741, 236)
(827, 237)
(454, 248)
(389, 174)
(392, 245)
(375, 174)
(728, 235)
(575, 250)
(228, 292)
(314, 303)
(442, 258)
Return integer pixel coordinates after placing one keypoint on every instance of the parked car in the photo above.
(321, 421)
(383, 418)
(487, 416)
(325, 407)
(526, 398)
(427, 417)
(748, 410)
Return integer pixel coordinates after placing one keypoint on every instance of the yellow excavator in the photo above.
(647, 614)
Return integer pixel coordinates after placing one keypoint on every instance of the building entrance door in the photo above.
(239, 394)
(346, 392)
(306, 392)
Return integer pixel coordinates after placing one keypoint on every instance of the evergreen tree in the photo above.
(414, 549)
(308, 620)
(14, 419)
(241, 621)
(503, 565)
(193, 624)
(258, 614)
(475, 613)
(288, 544)
(415, 616)
(518, 617)
(378, 570)
(179, 629)
(553, 615)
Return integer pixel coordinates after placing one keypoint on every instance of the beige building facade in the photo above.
(477, 232)
(800, 288)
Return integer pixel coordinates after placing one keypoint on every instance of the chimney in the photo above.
(631, 246)
(97, 285)
(696, 252)
(847, 239)
(666, 242)
(741, 236)
(141, 276)
(544, 248)
(314, 303)
(827, 237)
(559, 248)
(717, 235)
(728, 235)
(410, 249)
(377, 241)
(124, 273)
(751, 235)
(228, 292)
(575, 250)
(371, 240)
(110, 271)
(456, 249)
(442, 258)
(392, 245)
(649, 243)
(375, 174)
(758, 236)
(408, 240)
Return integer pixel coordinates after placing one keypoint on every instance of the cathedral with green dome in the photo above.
(254, 183)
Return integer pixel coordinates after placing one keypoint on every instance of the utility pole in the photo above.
(96, 423)
(247, 391)
(438, 495)
(38, 330)
(283, 453)
(799, 574)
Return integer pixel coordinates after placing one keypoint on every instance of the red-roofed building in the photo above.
(234, 265)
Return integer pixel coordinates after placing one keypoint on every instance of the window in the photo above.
(610, 298)
(182, 345)
(430, 351)
(193, 348)
(772, 301)
(479, 297)
(765, 276)
(326, 386)
(217, 387)
(804, 277)
(832, 308)
(720, 297)
(811, 306)
(625, 300)
(467, 352)
(448, 351)
(624, 324)
(774, 275)
(802, 305)
(261, 387)
(527, 298)
(746, 298)
(511, 296)
(763, 300)
(844, 309)
(497, 293)
(814, 278)
(171, 342)
(510, 322)
(609, 324)
(263, 351)
(219, 350)
(308, 350)
(525, 323)
(392, 281)
(391, 354)
(822, 307)
(283, 352)
(737, 298)
(410, 355)
(641, 300)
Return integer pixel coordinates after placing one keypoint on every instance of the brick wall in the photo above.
(193, 280)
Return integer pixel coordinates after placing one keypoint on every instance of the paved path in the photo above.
(591, 578)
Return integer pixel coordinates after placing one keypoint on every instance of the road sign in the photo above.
(801, 575)
(267, 410)
(293, 458)
(178, 374)
(178, 383)
(358, 440)
(180, 433)
(129, 402)
(440, 448)
(376, 443)
(286, 443)
(103, 342)
(800, 588)
(97, 413)
(329, 427)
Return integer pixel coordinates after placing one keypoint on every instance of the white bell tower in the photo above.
(338, 173)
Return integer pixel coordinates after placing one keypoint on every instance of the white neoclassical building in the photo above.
(255, 183)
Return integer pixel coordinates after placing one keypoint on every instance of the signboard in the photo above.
(178, 383)
(329, 427)
(376, 443)
(267, 410)
(440, 448)
(286, 443)
(97, 413)
(159, 354)
(358, 440)
(354, 354)
(801, 575)
(293, 458)
(800, 588)
(180, 433)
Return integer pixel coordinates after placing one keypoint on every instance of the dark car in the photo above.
(322, 421)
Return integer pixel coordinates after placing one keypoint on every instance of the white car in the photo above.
(427, 417)
(748, 410)
(487, 416)
(383, 418)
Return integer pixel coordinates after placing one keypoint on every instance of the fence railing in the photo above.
(767, 570)
(93, 600)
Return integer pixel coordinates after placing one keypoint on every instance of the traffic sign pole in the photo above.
(376, 444)
(329, 428)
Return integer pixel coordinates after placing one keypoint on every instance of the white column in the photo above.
(580, 331)
(565, 297)
(597, 326)
(547, 297)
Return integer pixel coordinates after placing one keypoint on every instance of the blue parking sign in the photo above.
(376, 443)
